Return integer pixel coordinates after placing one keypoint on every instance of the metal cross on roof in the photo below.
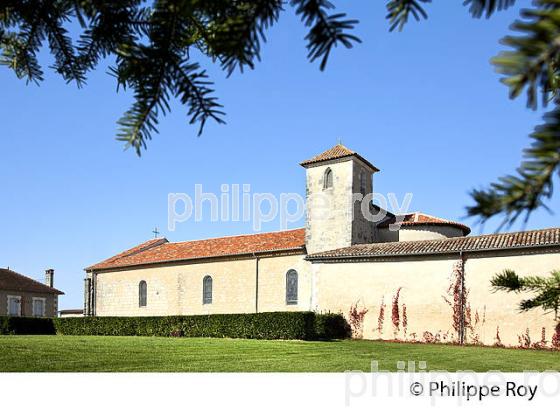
(155, 232)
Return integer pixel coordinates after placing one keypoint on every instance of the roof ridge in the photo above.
(25, 277)
(239, 235)
(283, 240)
(142, 247)
(338, 151)
(486, 242)
(461, 238)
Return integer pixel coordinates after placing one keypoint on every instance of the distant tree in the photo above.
(545, 290)
(154, 43)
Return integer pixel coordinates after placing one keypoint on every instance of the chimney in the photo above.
(49, 278)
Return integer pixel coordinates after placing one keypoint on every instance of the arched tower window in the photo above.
(207, 290)
(142, 293)
(363, 182)
(328, 179)
(291, 287)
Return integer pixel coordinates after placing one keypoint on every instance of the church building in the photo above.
(391, 283)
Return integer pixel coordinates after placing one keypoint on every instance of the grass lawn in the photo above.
(155, 354)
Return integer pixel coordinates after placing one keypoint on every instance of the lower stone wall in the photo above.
(425, 302)
(424, 286)
(177, 290)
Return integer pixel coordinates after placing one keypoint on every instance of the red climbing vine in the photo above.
(395, 317)
(498, 342)
(556, 337)
(356, 320)
(404, 320)
(457, 298)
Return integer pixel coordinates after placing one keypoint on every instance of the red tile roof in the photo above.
(337, 152)
(10, 280)
(513, 240)
(160, 250)
(419, 219)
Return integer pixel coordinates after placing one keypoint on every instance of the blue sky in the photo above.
(424, 106)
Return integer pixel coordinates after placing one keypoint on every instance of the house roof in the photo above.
(502, 241)
(339, 151)
(419, 219)
(10, 280)
(161, 250)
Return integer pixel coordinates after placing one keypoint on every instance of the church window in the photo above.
(291, 287)
(363, 182)
(142, 293)
(328, 179)
(207, 290)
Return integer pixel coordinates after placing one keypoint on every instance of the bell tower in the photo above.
(337, 180)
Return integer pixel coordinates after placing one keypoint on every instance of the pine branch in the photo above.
(66, 63)
(151, 41)
(19, 50)
(546, 290)
(159, 70)
(533, 63)
(398, 12)
(528, 190)
(107, 26)
(327, 31)
(233, 32)
(507, 281)
(192, 87)
(486, 8)
(151, 100)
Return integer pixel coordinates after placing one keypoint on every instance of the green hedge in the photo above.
(274, 325)
(13, 325)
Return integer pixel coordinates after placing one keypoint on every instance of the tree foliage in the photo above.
(531, 64)
(153, 43)
(545, 290)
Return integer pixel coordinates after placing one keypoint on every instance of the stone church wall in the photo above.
(426, 289)
(177, 290)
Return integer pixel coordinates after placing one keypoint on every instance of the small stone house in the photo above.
(23, 296)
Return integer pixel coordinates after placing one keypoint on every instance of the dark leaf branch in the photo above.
(193, 89)
(234, 33)
(480, 8)
(545, 290)
(327, 31)
(399, 11)
(151, 42)
(515, 195)
(531, 64)
(38, 20)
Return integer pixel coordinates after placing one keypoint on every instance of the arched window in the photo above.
(207, 290)
(363, 182)
(142, 293)
(291, 287)
(328, 179)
